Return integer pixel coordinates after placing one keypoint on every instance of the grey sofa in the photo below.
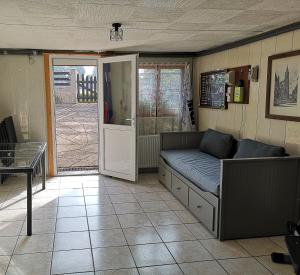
(234, 197)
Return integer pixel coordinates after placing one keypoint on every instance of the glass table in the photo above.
(24, 158)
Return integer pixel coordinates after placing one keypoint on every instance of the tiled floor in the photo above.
(99, 225)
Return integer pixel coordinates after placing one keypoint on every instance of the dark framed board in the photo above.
(213, 90)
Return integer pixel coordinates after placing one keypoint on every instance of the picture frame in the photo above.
(283, 86)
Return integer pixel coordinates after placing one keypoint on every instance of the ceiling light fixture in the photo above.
(116, 33)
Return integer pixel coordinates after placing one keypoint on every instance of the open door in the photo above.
(117, 109)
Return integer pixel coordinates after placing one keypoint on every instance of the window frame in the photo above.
(158, 67)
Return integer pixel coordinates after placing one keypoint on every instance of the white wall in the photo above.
(22, 95)
(248, 121)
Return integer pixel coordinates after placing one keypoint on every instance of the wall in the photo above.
(248, 121)
(22, 95)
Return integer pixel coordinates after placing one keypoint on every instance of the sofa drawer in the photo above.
(180, 190)
(202, 209)
(165, 177)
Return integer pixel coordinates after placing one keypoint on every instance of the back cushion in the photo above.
(249, 148)
(217, 144)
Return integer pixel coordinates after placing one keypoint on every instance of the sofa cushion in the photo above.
(217, 144)
(200, 168)
(249, 148)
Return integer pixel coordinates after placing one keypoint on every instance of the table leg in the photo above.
(43, 160)
(29, 204)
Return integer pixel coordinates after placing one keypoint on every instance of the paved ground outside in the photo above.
(77, 135)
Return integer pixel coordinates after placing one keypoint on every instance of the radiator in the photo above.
(148, 151)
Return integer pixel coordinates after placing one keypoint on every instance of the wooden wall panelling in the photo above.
(263, 124)
(251, 109)
(292, 137)
(253, 123)
(284, 43)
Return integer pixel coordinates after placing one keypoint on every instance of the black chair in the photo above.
(7, 135)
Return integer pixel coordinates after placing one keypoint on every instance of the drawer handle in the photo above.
(199, 206)
(163, 175)
(178, 188)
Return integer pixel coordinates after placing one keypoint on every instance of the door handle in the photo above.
(199, 206)
(178, 188)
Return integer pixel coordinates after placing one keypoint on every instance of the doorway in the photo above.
(82, 139)
(75, 104)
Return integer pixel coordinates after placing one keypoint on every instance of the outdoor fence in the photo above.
(86, 88)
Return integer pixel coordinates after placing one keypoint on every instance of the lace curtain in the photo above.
(161, 104)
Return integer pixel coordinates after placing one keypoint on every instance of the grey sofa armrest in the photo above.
(258, 196)
(180, 140)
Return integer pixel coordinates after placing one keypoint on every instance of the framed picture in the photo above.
(283, 87)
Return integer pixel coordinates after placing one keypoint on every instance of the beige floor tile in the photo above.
(278, 269)
(101, 199)
(225, 249)
(151, 254)
(12, 215)
(106, 238)
(43, 213)
(23, 264)
(141, 197)
(81, 273)
(112, 258)
(186, 217)
(9, 229)
(4, 261)
(93, 184)
(134, 220)
(141, 235)
(173, 233)
(122, 198)
(129, 271)
(10, 204)
(245, 266)
(140, 189)
(71, 224)
(72, 240)
(34, 244)
(103, 222)
(279, 240)
(46, 226)
(7, 245)
(70, 201)
(199, 231)
(161, 270)
(260, 246)
(94, 191)
(100, 209)
(71, 192)
(72, 261)
(71, 211)
(158, 187)
(188, 251)
(45, 203)
(112, 190)
(154, 206)
(53, 185)
(128, 208)
(40, 194)
(174, 205)
(163, 218)
(166, 196)
(203, 268)
(70, 185)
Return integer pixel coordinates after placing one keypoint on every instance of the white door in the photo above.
(117, 109)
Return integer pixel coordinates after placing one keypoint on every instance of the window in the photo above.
(160, 102)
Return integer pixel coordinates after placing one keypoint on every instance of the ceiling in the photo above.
(149, 25)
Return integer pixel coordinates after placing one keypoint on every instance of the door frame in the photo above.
(50, 108)
(133, 58)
